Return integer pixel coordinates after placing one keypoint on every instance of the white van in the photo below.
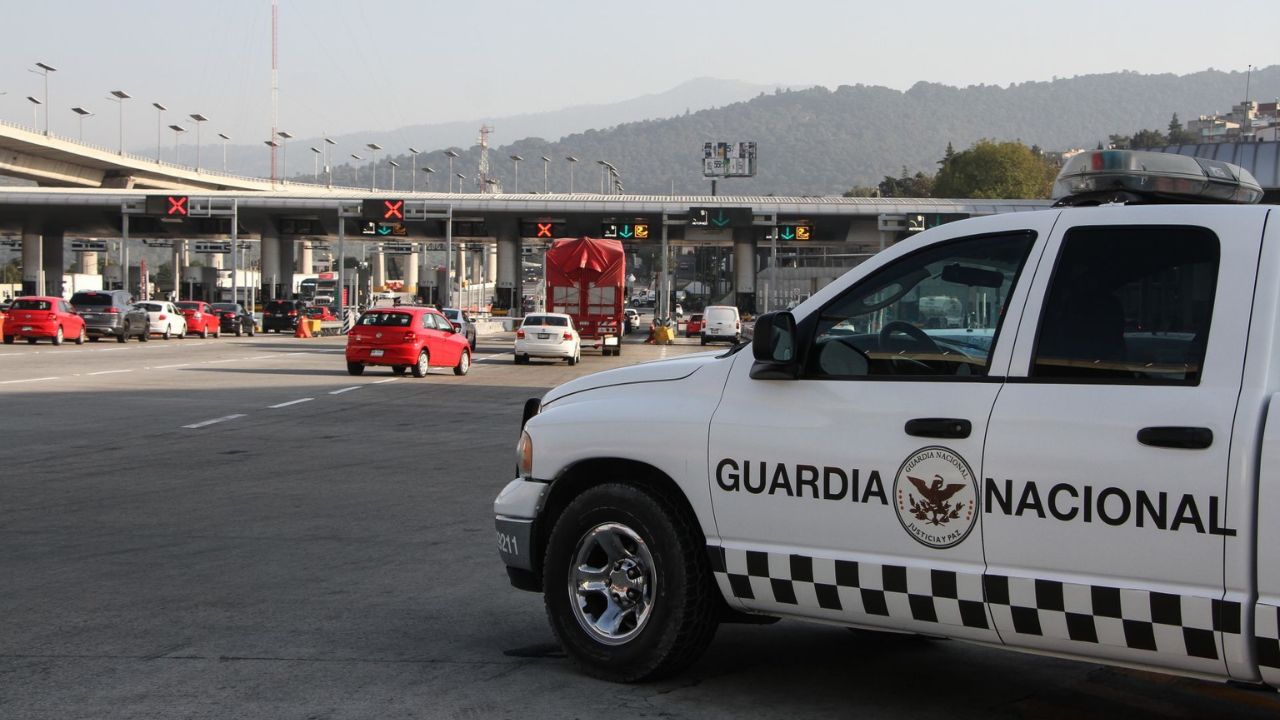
(721, 322)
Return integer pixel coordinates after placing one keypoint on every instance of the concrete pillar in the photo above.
(490, 263)
(286, 263)
(179, 261)
(32, 278)
(306, 262)
(410, 264)
(89, 262)
(508, 293)
(744, 268)
(379, 269)
(478, 265)
(214, 260)
(55, 263)
(270, 263)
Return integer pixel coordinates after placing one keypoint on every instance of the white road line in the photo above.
(109, 372)
(346, 389)
(379, 382)
(165, 367)
(261, 357)
(224, 418)
(495, 355)
(10, 382)
(291, 402)
(215, 362)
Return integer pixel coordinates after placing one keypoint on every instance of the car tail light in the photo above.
(196, 315)
(408, 337)
(568, 336)
(293, 313)
(229, 316)
(520, 334)
(163, 316)
(53, 316)
(112, 310)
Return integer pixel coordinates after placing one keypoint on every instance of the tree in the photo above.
(914, 186)
(992, 169)
(861, 191)
(946, 157)
(1147, 139)
(11, 272)
(1178, 135)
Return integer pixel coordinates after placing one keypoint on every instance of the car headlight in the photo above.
(524, 455)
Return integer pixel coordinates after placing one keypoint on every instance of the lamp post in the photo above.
(393, 165)
(159, 123)
(284, 154)
(45, 70)
(461, 179)
(413, 171)
(373, 163)
(515, 160)
(273, 145)
(197, 118)
(428, 170)
(451, 155)
(177, 129)
(35, 111)
(315, 165)
(572, 161)
(328, 169)
(603, 172)
(225, 139)
(83, 114)
(357, 158)
(545, 161)
(118, 97)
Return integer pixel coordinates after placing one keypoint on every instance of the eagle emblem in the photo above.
(934, 506)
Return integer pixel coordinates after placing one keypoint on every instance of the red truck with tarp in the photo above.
(585, 279)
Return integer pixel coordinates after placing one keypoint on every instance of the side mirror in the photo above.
(774, 347)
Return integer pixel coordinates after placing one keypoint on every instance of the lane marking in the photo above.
(346, 389)
(291, 402)
(109, 372)
(224, 418)
(379, 382)
(165, 367)
(215, 362)
(10, 382)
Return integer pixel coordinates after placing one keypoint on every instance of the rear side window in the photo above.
(150, 307)
(386, 319)
(94, 300)
(1129, 305)
(30, 304)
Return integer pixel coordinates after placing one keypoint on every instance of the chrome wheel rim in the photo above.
(422, 363)
(612, 584)
(466, 361)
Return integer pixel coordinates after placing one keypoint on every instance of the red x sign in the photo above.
(394, 211)
(544, 230)
(177, 205)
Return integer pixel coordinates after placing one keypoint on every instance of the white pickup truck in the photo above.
(1086, 468)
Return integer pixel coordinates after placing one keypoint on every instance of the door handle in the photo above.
(1184, 438)
(949, 428)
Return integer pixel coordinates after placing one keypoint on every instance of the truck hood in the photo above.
(656, 371)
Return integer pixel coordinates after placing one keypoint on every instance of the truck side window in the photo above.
(1130, 305)
(935, 312)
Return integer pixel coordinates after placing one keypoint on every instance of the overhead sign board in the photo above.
(88, 245)
(726, 160)
(397, 248)
(924, 221)
(384, 229)
(216, 248)
(383, 210)
(542, 228)
(795, 231)
(174, 206)
(719, 217)
(625, 231)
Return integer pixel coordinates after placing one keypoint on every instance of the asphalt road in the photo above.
(236, 528)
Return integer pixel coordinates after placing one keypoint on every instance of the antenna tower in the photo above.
(487, 184)
(275, 83)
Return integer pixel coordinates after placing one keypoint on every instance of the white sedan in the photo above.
(548, 335)
(165, 319)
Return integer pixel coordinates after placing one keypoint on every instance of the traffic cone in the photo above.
(652, 332)
(303, 330)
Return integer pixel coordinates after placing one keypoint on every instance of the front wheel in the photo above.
(464, 364)
(421, 367)
(628, 586)
(355, 368)
(57, 337)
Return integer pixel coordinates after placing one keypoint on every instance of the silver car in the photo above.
(462, 321)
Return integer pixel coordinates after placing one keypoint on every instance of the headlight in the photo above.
(524, 455)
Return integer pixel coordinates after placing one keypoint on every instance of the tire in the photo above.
(123, 337)
(94, 338)
(145, 335)
(58, 337)
(204, 332)
(8, 339)
(704, 341)
(672, 612)
(168, 332)
(31, 341)
(355, 368)
(573, 360)
(464, 363)
(617, 349)
(217, 332)
(423, 365)
(522, 359)
(399, 369)
(239, 330)
(252, 331)
(81, 337)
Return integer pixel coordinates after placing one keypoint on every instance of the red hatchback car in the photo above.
(406, 338)
(43, 317)
(201, 318)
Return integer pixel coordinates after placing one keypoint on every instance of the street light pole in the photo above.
(176, 130)
(461, 179)
(373, 163)
(515, 160)
(83, 114)
(393, 165)
(428, 170)
(572, 161)
(451, 155)
(159, 123)
(284, 155)
(225, 137)
(198, 118)
(35, 111)
(328, 169)
(545, 161)
(413, 171)
(45, 70)
(119, 96)
(315, 165)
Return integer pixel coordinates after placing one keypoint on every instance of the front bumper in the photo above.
(515, 518)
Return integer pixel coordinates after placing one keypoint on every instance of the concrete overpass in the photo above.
(283, 223)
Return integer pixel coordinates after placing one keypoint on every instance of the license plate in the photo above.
(544, 336)
(26, 328)
(375, 353)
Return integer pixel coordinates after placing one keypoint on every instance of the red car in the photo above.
(201, 318)
(321, 313)
(43, 317)
(406, 338)
(693, 328)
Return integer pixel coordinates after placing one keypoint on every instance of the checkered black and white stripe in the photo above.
(1119, 617)
(1266, 638)
(855, 588)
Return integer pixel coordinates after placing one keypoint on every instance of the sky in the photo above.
(353, 65)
